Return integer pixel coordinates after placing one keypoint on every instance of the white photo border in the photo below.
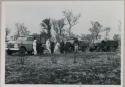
(3, 22)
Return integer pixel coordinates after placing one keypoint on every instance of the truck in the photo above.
(24, 44)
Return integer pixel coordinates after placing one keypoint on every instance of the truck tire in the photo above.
(29, 52)
(22, 51)
(9, 52)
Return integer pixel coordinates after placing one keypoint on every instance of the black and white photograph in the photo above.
(62, 42)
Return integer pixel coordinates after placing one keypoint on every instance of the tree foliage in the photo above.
(46, 24)
(58, 26)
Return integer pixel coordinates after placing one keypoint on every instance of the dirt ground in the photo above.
(101, 68)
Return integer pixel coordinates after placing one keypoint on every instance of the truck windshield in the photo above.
(21, 39)
(30, 39)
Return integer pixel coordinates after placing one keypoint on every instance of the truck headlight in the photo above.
(15, 45)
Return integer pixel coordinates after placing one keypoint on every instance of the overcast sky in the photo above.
(108, 13)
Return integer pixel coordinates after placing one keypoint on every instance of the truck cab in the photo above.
(24, 43)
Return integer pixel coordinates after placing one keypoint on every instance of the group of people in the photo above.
(53, 47)
(57, 47)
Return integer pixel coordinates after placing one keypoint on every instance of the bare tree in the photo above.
(95, 30)
(116, 37)
(21, 30)
(71, 19)
(61, 25)
(58, 26)
(46, 24)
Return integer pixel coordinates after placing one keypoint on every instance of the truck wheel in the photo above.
(9, 52)
(22, 51)
(29, 52)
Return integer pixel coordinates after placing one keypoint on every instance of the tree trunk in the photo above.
(69, 31)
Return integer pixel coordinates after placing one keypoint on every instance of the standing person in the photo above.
(34, 46)
(57, 50)
(76, 43)
(48, 45)
(52, 47)
(66, 47)
(62, 46)
(39, 47)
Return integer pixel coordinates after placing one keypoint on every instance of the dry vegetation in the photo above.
(90, 68)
